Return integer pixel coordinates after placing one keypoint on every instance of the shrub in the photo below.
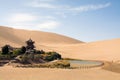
(56, 56)
(27, 58)
(16, 52)
(49, 58)
(52, 56)
(38, 58)
(57, 64)
(30, 56)
(23, 49)
(49, 53)
(24, 58)
(5, 49)
(60, 64)
(40, 52)
(5, 57)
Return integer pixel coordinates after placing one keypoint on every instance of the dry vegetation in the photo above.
(56, 64)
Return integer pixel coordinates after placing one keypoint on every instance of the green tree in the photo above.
(16, 52)
(5, 49)
(23, 49)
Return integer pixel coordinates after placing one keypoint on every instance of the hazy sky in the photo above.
(86, 20)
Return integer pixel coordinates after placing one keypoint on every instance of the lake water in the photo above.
(85, 62)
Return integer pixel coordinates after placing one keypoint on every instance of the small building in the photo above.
(30, 47)
(30, 44)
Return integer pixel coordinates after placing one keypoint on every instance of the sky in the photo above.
(85, 20)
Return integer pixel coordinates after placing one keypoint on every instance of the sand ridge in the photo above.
(18, 36)
(68, 47)
(107, 50)
(101, 50)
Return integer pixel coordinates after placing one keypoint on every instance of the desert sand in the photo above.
(107, 50)
(9, 73)
(68, 47)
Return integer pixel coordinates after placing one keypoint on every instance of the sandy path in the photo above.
(9, 73)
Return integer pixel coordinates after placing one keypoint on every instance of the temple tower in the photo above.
(30, 44)
(30, 47)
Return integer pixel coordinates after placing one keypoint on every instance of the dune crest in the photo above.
(18, 36)
(68, 47)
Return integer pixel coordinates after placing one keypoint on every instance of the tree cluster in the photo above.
(28, 56)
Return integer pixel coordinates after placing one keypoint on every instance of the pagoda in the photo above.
(30, 47)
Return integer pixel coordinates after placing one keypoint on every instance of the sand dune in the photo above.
(101, 50)
(16, 36)
(9, 73)
(68, 47)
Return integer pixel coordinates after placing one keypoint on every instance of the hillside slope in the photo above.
(68, 47)
(100, 50)
(17, 37)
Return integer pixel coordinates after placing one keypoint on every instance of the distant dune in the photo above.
(68, 47)
(102, 50)
(18, 37)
